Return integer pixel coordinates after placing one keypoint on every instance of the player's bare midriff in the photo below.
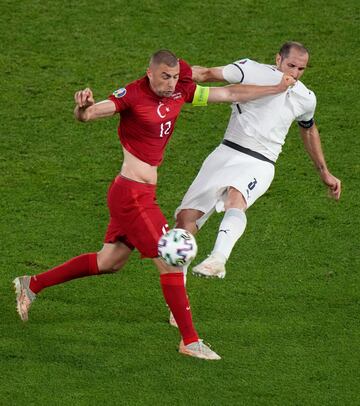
(135, 169)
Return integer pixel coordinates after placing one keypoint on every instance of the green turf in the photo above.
(285, 319)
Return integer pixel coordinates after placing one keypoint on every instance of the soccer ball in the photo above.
(177, 247)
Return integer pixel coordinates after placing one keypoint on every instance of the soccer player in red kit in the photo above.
(148, 108)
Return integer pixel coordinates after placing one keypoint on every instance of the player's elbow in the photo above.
(235, 94)
(222, 95)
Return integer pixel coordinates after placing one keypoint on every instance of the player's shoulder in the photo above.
(185, 85)
(183, 64)
(131, 86)
(245, 63)
(255, 66)
(185, 69)
(137, 84)
(130, 93)
(304, 91)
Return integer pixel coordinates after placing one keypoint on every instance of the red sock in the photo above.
(78, 267)
(174, 291)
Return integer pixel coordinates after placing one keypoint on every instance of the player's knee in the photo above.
(112, 257)
(107, 264)
(170, 269)
(165, 268)
(107, 268)
(181, 219)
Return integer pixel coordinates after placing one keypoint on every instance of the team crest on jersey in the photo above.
(120, 93)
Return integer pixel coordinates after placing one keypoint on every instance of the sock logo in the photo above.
(224, 231)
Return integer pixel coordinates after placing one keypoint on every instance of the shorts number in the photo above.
(165, 128)
(252, 184)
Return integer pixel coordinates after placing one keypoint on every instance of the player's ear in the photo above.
(278, 60)
(148, 73)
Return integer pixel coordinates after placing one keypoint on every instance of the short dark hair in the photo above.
(286, 48)
(164, 56)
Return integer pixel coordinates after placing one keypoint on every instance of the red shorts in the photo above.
(135, 217)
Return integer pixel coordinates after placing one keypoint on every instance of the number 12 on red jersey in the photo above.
(165, 128)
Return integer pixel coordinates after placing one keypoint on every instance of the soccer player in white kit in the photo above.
(241, 168)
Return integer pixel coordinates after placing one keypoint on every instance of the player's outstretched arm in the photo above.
(312, 143)
(86, 109)
(201, 74)
(244, 93)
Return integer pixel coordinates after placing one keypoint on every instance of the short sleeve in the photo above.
(122, 97)
(306, 119)
(233, 72)
(247, 71)
(187, 84)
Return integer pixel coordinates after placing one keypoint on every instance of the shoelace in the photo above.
(204, 347)
(23, 301)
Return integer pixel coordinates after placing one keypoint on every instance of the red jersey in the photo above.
(147, 120)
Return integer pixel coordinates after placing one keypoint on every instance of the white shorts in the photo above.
(223, 168)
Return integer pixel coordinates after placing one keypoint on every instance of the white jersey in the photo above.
(262, 125)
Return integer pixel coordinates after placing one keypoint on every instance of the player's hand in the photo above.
(286, 81)
(84, 98)
(333, 184)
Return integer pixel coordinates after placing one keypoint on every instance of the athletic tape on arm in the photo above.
(201, 96)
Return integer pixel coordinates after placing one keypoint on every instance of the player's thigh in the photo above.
(146, 230)
(254, 179)
(113, 256)
(204, 190)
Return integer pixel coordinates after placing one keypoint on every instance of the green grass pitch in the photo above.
(286, 317)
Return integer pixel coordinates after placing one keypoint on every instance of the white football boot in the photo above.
(24, 296)
(198, 349)
(212, 267)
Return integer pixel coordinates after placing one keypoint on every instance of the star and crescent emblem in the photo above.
(162, 110)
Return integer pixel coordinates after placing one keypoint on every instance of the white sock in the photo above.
(231, 229)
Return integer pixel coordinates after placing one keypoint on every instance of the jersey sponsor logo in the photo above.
(162, 110)
(243, 61)
(120, 93)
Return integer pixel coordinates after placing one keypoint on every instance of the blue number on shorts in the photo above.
(252, 184)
